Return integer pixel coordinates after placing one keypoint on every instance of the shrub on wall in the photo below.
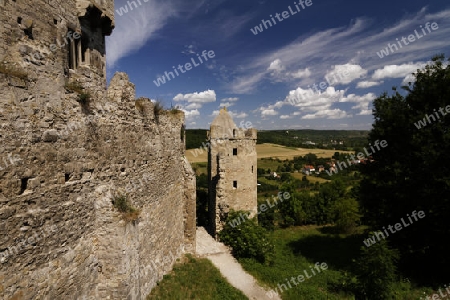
(129, 213)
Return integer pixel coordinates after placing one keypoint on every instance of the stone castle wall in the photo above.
(63, 161)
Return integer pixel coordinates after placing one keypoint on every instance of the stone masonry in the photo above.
(232, 176)
(69, 146)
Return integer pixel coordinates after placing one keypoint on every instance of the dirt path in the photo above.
(220, 256)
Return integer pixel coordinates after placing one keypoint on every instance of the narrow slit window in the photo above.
(235, 184)
(234, 151)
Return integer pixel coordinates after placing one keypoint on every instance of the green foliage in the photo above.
(195, 137)
(412, 172)
(84, 98)
(329, 205)
(247, 239)
(291, 210)
(376, 271)
(129, 213)
(346, 214)
(266, 219)
(195, 278)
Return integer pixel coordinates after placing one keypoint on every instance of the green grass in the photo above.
(196, 278)
(299, 248)
(266, 164)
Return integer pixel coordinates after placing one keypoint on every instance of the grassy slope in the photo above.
(196, 278)
(296, 250)
(299, 248)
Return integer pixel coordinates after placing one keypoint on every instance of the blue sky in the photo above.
(268, 78)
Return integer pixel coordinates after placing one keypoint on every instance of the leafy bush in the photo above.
(247, 239)
(376, 271)
(346, 214)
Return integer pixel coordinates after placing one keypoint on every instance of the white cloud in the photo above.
(226, 104)
(365, 112)
(327, 114)
(355, 98)
(362, 102)
(202, 97)
(284, 117)
(276, 66)
(191, 113)
(397, 71)
(310, 101)
(193, 106)
(301, 73)
(409, 78)
(268, 112)
(344, 74)
(367, 84)
(233, 99)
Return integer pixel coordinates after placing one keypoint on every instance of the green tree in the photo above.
(346, 214)
(413, 172)
(376, 271)
(247, 239)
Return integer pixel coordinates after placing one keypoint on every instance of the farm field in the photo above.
(270, 150)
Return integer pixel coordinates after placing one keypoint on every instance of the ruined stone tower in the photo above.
(232, 174)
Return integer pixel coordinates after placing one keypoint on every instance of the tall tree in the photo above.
(413, 172)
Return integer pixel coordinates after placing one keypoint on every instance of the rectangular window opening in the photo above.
(234, 151)
(235, 184)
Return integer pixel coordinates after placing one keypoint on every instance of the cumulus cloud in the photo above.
(195, 101)
(191, 113)
(202, 97)
(397, 71)
(344, 74)
(327, 114)
(301, 73)
(362, 102)
(367, 84)
(284, 117)
(193, 106)
(276, 66)
(268, 112)
(309, 100)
